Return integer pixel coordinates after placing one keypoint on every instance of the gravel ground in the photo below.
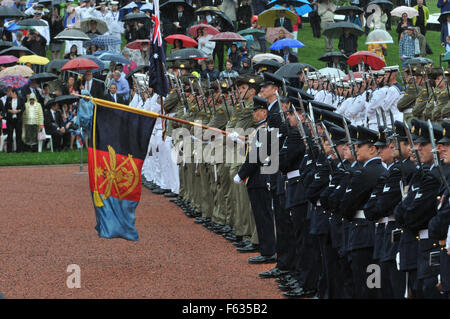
(47, 223)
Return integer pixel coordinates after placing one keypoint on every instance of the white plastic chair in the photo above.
(47, 137)
(3, 142)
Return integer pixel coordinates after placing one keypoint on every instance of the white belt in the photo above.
(293, 174)
(360, 214)
(423, 234)
(408, 111)
(385, 220)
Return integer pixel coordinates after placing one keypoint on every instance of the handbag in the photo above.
(41, 136)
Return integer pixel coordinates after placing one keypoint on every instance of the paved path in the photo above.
(47, 223)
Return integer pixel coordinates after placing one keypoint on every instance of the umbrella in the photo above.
(105, 40)
(332, 73)
(187, 54)
(267, 56)
(66, 99)
(209, 10)
(5, 44)
(295, 3)
(366, 57)
(85, 25)
(15, 81)
(57, 63)
(78, 64)
(32, 23)
(135, 16)
(267, 18)
(344, 10)
(72, 35)
(291, 70)
(96, 60)
(419, 60)
(398, 12)
(267, 64)
(211, 30)
(379, 36)
(21, 70)
(15, 51)
(337, 29)
(443, 17)
(11, 12)
(273, 34)
(227, 37)
(34, 59)
(286, 43)
(300, 7)
(170, 7)
(147, 6)
(137, 44)
(7, 59)
(384, 4)
(118, 58)
(327, 57)
(140, 68)
(252, 31)
(187, 41)
(43, 77)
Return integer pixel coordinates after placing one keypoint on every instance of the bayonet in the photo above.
(436, 159)
(411, 144)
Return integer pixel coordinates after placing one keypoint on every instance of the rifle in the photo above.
(413, 79)
(306, 78)
(349, 139)
(300, 127)
(333, 146)
(211, 91)
(398, 147)
(283, 118)
(445, 80)
(411, 144)
(183, 94)
(436, 160)
(195, 95)
(223, 98)
(205, 100)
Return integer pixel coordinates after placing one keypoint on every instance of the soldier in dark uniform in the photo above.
(357, 193)
(258, 193)
(415, 211)
(439, 225)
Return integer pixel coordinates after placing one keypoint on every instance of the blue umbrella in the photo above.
(286, 43)
(295, 3)
(301, 9)
(105, 40)
(118, 58)
(100, 52)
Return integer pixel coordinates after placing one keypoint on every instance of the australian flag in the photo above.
(157, 80)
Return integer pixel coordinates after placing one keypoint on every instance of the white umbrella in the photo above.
(332, 72)
(398, 12)
(267, 56)
(379, 36)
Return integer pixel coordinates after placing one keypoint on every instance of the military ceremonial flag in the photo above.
(157, 75)
(117, 149)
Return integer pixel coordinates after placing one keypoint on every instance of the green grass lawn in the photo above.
(44, 158)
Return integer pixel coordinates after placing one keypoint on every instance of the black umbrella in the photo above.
(186, 54)
(66, 99)
(419, 60)
(443, 17)
(11, 12)
(15, 51)
(5, 44)
(337, 29)
(291, 70)
(170, 7)
(56, 64)
(140, 68)
(32, 23)
(384, 4)
(268, 64)
(208, 10)
(293, 91)
(344, 10)
(43, 77)
(135, 16)
(328, 57)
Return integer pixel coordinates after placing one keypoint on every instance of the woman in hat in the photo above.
(32, 121)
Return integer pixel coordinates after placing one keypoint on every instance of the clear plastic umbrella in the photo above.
(379, 36)
(398, 12)
(266, 56)
(332, 72)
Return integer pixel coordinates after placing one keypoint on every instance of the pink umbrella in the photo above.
(227, 37)
(211, 30)
(7, 59)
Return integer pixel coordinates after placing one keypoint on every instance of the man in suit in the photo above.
(14, 107)
(113, 96)
(284, 22)
(180, 21)
(4, 33)
(34, 88)
(94, 87)
(54, 126)
(445, 30)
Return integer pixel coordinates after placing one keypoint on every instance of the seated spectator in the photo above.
(177, 45)
(113, 96)
(352, 18)
(54, 126)
(123, 88)
(73, 53)
(244, 51)
(228, 72)
(71, 86)
(246, 67)
(213, 73)
(234, 57)
(288, 57)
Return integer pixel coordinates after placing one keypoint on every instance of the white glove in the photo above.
(233, 136)
(237, 179)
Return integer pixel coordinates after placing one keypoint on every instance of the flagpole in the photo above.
(130, 109)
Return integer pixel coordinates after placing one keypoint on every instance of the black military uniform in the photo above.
(361, 230)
